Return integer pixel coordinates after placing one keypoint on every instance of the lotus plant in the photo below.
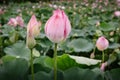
(16, 21)
(20, 21)
(102, 44)
(12, 22)
(57, 29)
(33, 29)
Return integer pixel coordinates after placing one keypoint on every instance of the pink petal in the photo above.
(20, 21)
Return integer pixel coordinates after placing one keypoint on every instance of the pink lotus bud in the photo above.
(20, 21)
(102, 43)
(58, 27)
(33, 29)
(12, 22)
(117, 13)
(34, 26)
(1, 11)
(103, 66)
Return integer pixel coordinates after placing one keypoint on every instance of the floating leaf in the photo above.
(84, 60)
(107, 26)
(18, 50)
(76, 73)
(114, 74)
(65, 62)
(14, 70)
(8, 58)
(81, 45)
(47, 76)
(114, 45)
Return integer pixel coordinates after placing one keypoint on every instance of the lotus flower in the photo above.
(117, 13)
(58, 27)
(33, 29)
(20, 21)
(12, 22)
(102, 43)
(16, 21)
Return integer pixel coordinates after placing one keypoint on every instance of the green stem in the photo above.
(55, 62)
(32, 67)
(94, 50)
(103, 56)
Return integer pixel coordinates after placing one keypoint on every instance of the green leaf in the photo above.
(112, 58)
(36, 53)
(8, 58)
(98, 72)
(14, 70)
(118, 63)
(22, 32)
(77, 33)
(76, 20)
(40, 64)
(45, 43)
(107, 26)
(84, 60)
(81, 45)
(47, 76)
(7, 30)
(92, 21)
(114, 74)
(14, 37)
(114, 45)
(65, 62)
(42, 76)
(76, 73)
(18, 50)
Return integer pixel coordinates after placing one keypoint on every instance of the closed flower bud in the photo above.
(20, 21)
(117, 13)
(102, 43)
(12, 22)
(103, 66)
(58, 27)
(33, 29)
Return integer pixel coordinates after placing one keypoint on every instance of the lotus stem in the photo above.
(55, 62)
(32, 67)
(103, 56)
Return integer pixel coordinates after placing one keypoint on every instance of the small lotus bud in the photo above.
(102, 43)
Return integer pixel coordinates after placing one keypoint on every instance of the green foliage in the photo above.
(113, 74)
(14, 70)
(81, 45)
(18, 50)
(66, 61)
